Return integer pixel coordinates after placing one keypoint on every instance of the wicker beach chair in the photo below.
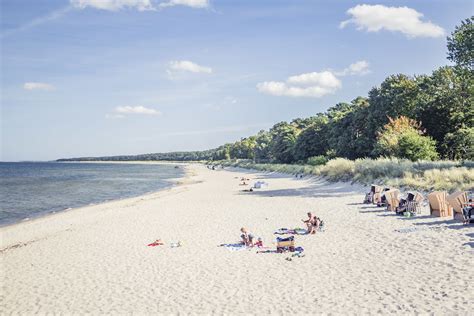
(414, 202)
(392, 197)
(458, 200)
(377, 194)
(383, 197)
(439, 205)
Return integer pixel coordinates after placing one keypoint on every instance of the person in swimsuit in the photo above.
(309, 223)
(247, 238)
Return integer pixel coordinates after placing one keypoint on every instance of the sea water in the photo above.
(32, 189)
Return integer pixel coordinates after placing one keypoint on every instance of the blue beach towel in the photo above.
(234, 247)
(296, 231)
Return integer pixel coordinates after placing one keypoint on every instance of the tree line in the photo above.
(425, 117)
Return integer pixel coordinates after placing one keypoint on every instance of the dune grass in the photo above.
(422, 175)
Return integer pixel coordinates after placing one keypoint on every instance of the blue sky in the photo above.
(110, 77)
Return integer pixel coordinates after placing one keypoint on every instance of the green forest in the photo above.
(422, 117)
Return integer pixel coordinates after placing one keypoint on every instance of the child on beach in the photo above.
(316, 223)
(247, 238)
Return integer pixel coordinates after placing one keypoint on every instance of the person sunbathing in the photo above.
(247, 238)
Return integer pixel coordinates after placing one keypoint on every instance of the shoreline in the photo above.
(136, 162)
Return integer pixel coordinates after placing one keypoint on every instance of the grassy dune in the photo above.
(405, 174)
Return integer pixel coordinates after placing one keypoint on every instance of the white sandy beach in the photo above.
(96, 260)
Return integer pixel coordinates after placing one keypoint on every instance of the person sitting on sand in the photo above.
(247, 238)
(316, 223)
(310, 223)
(467, 212)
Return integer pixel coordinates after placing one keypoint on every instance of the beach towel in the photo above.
(298, 250)
(267, 251)
(296, 231)
(234, 247)
(282, 231)
(157, 242)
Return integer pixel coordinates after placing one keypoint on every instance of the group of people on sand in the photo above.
(313, 223)
(248, 239)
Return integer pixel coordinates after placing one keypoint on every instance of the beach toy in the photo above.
(176, 244)
(299, 249)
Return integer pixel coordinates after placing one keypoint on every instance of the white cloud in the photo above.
(314, 84)
(113, 5)
(38, 86)
(186, 65)
(374, 18)
(358, 68)
(283, 89)
(121, 110)
(324, 79)
(198, 4)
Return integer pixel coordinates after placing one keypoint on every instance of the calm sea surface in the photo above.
(29, 190)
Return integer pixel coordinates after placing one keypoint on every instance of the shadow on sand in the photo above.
(470, 243)
(318, 189)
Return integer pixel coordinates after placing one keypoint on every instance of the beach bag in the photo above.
(321, 226)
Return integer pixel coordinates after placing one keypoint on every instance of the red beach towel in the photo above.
(156, 243)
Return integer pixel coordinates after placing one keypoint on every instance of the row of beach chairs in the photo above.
(441, 204)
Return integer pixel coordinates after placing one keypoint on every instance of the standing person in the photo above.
(247, 238)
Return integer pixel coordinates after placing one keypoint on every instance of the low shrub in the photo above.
(317, 161)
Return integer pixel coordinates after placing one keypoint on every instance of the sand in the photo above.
(96, 260)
